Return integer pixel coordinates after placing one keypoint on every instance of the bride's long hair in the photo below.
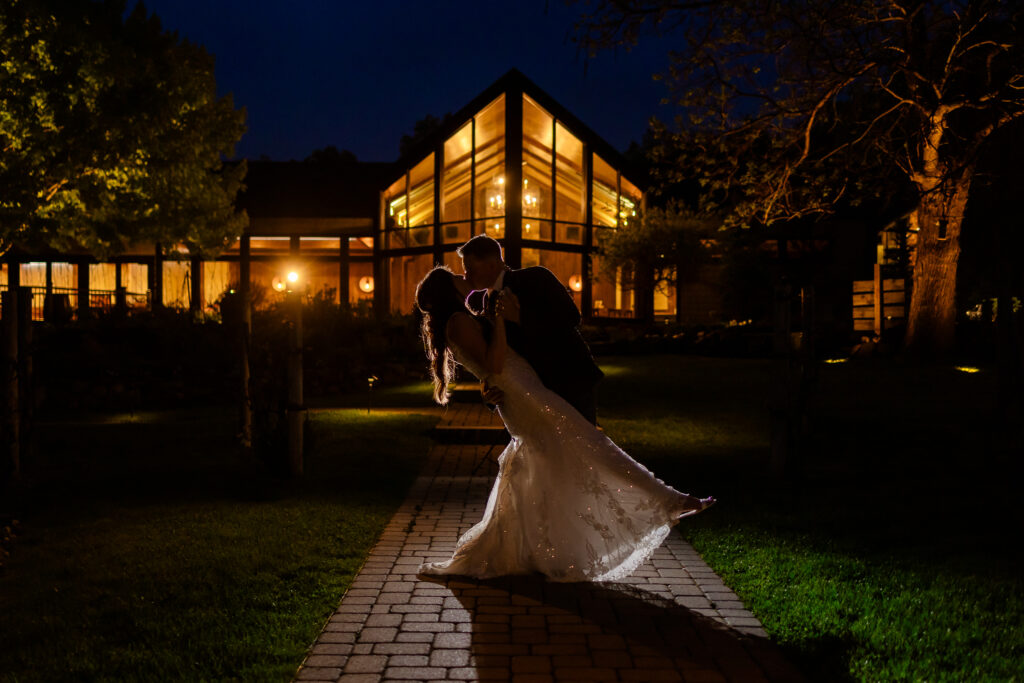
(438, 299)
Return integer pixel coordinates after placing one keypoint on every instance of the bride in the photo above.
(567, 502)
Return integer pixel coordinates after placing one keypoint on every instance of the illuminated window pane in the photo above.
(102, 276)
(489, 194)
(361, 284)
(413, 237)
(329, 245)
(396, 208)
(456, 233)
(569, 233)
(421, 193)
(492, 227)
(569, 183)
(534, 229)
(605, 193)
(176, 279)
(360, 246)
(267, 246)
(135, 280)
(458, 152)
(404, 273)
(65, 276)
(33, 274)
(629, 203)
(537, 139)
(612, 290)
(218, 278)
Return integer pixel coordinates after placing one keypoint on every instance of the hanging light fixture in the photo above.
(366, 284)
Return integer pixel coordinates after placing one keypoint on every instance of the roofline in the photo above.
(516, 80)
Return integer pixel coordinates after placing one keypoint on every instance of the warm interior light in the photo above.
(278, 284)
(836, 360)
(576, 283)
(366, 284)
(293, 276)
(968, 369)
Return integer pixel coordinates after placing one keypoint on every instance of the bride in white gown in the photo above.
(567, 502)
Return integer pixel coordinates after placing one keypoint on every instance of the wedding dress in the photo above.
(567, 502)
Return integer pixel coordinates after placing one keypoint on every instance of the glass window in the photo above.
(413, 237)
(218, 277)
(456, 233)
(493, 227)
(534, 229)
(612, 290)
(360, 283)
(34, 274)
(65, 276)
(404, 273)
(569, 233)
(396, 207)
(321, 279)
(176, 279)
(265, 246)
(567, 267)
(458, 152)
(330, 245)
(421, 193)
(489, 193)
(629, 202)
(605, 193)
(571, 199)
(102, 276)
(538, 132)
(360, 246)
(135, 280)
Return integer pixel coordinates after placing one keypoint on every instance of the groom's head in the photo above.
(481, 259)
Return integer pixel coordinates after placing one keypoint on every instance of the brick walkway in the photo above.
(673, 620)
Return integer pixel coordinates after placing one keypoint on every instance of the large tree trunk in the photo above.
(931, 323)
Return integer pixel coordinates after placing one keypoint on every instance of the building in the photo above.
(513, 164)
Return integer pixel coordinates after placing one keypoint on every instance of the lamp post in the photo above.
(296, 411)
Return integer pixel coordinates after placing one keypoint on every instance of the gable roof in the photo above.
(514, 80)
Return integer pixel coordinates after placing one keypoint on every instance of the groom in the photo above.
(541, 321)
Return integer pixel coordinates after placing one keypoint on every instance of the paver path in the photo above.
(673, 620)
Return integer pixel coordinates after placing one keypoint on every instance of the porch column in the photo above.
(514, 177)
(83, 289)
(587, 295)
(156, 282)
(195, 304)
(343, 271)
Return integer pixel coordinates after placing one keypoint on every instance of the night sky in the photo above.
(358, 75)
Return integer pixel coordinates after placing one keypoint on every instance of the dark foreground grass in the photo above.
(896, 556)
(152, 552)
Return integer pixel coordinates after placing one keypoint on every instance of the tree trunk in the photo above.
(931, 324)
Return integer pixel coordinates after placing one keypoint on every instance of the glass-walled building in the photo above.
(517, 166)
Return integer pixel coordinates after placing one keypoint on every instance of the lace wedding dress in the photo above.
(567, 502)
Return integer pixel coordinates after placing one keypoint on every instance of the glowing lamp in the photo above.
(293, 276)
(366, 284)
(278, 285)
(576, 283)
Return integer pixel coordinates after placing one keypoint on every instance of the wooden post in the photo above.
(83, 290)
(244, 335)
(343, 272)
(12, 417)
(195, 304)
(25, 372)
(879, 302)
(157, 284)
(296, 410)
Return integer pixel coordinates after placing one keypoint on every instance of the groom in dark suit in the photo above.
(541, 321)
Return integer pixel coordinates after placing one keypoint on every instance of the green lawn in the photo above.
(151, 551)
(895, 557)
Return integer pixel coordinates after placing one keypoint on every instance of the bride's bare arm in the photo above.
(467, 335)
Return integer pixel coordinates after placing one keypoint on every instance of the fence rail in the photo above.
(63, 301)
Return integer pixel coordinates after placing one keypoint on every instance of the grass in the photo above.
(895, 556)
(152, 552)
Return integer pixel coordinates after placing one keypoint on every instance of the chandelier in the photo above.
(496, 196)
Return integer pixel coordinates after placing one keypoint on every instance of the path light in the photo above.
(968, 369)
(366, 284)
(576, 283)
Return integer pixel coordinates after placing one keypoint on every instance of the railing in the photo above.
(66, 299)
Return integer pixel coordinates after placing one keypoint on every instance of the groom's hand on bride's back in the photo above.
(492, 395)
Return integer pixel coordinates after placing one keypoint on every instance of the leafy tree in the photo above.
(330, 157)
(818, 99)
(111, 132)
(422, 130)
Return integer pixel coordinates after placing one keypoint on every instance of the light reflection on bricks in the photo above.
(673, 620)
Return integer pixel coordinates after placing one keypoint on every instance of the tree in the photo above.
(422, 130)
(111, 131)
(815, 97)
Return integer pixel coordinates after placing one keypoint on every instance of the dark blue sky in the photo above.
(358, 75)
